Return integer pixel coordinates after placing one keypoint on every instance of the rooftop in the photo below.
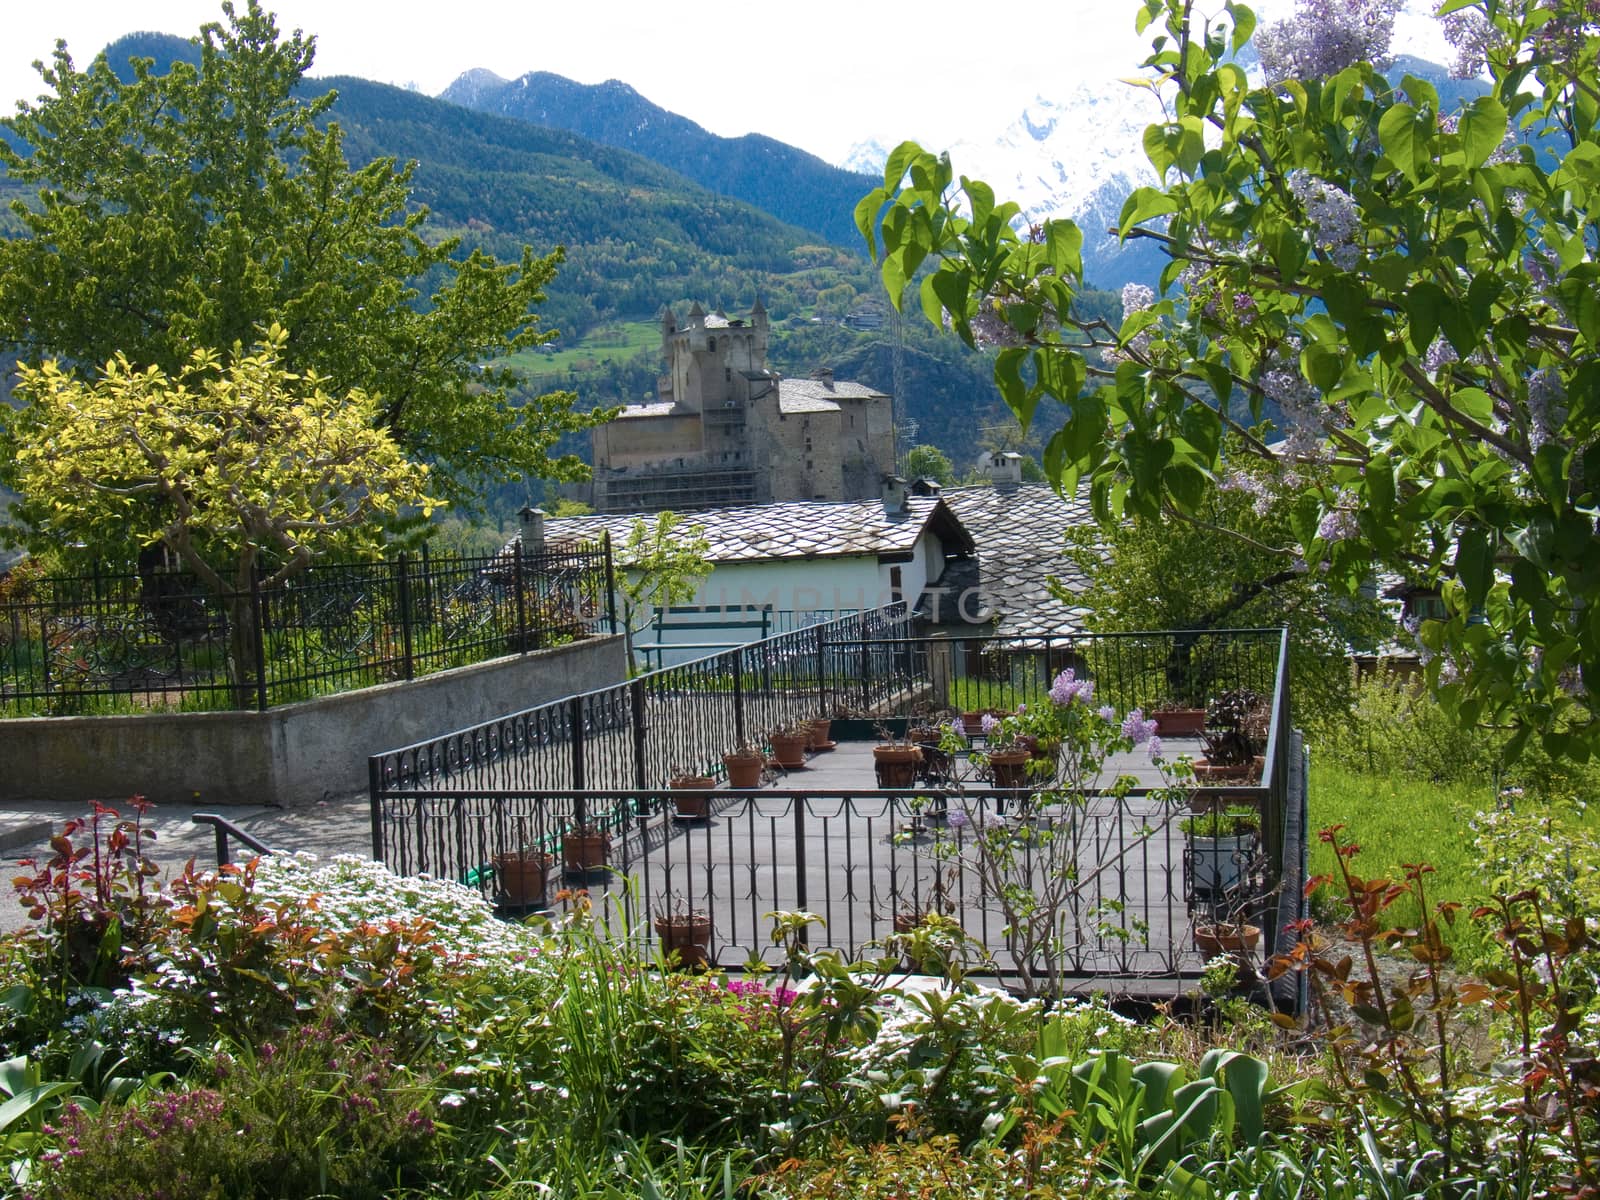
(1018, 534)
(814, 395)
(791, 529)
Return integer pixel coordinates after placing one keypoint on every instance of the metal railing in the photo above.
(455, 805)
(133, 641)
(634, 734)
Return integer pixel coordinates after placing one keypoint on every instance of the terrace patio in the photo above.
(1113, 870)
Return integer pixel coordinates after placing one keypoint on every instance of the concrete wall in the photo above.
(294, 755)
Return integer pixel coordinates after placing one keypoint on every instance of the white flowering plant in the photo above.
(1402, 291)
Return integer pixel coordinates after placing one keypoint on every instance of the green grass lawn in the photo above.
(1397, 821)
(616, 341)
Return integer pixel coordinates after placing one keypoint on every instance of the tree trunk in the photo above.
(244, 668)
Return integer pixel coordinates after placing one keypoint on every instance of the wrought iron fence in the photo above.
(1115, 882)
(132, 641)
(455, 806)
(635, 734)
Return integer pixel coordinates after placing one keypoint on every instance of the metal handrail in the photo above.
(226, 829)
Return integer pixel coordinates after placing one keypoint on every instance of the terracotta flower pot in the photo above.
(583, 852)
(789, 750)
(817, 730)
(1010, 767)
(1239, 940)
(1212, 774)
(896, 766)
(687, 934)
(744, 770)
(1179, 722)
(519, 876)
(694, 803)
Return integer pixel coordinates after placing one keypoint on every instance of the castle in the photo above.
(725, 429)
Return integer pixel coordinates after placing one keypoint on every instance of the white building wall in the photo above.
(810, 589)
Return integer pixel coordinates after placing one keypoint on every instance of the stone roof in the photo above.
(662, 408)
(1018, 534)
(813, 395)
(793, 529)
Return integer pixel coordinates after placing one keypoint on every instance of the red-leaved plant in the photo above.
(95, 899)
(1392, 1043)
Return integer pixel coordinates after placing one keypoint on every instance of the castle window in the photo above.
(711, 345)
(727, 374)
(810, 464)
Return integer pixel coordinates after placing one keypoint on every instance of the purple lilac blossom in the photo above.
(989, 723)
(1068, 687)
(1440, 354)
(1337, 525)
(1300, 403)
(959, 820)
(1333, 211)
(1137, 728)
(1239, 481)
(1153, 747)
(1107, 713)
(1325, 37)
(1545, 390)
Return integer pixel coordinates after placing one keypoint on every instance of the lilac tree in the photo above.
(1416, 290)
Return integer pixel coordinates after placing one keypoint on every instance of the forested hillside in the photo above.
(787, 182)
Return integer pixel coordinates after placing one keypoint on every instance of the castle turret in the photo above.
(758, 318)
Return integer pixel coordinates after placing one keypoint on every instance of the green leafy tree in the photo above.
(197, 207)
(663, 563)
(1417, 292)
(1233, 564)
(929, 462)
(233, 466)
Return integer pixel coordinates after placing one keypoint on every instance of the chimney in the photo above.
(1004, 468)
(824, 376)
(895, 497)
(532, 529)
(925, 487)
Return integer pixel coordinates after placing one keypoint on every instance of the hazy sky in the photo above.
(822, 74)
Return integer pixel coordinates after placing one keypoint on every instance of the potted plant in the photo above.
(519, 876)
(684, 932)
(895, 760)
(1177, 717)
(788, 744)
(693, 803)
(1007, 751)
(1221, 843)
(584, 848)
(817, 730)
(1230, 753)
(1236, 939)
(745, 764)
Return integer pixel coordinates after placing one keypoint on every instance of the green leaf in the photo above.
(1160, 148)
(1473, 402)
(1397, 131)
(867, 218)
(1422, 303)
(1063, 243)
(1475, 562)
(1482, 129)
(1145, 203)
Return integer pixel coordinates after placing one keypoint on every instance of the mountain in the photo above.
(638, 235)
(793, 186)
(1080, 153)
